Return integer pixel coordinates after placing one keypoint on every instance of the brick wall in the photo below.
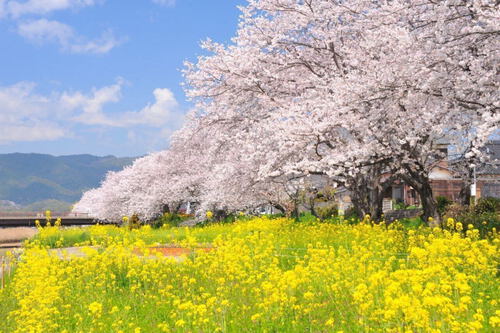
(447, 188)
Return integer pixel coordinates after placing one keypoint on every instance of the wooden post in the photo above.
(8, 264)
(2, 271)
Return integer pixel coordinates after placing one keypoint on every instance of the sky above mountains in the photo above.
(100, 76)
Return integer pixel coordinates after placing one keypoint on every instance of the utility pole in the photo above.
(473, 187)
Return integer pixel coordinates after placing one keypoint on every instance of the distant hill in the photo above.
(32, 180)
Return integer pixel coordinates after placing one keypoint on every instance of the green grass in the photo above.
(264, 276)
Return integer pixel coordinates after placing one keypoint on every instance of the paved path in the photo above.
(71, 252)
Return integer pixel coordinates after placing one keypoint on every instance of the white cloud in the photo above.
(101, 45)
(31, 24)
(164, 2)
(19, 100)
(3, 11)
(46, 131)
(28, 116)
(164, 110)
(92, 104)
(16, 9)
(42, 30)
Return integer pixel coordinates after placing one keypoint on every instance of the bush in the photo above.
(442, 204)
(327, 211)
(134, 222)
(307, 217)
(169, 219)
(455, 210)
(398, 205)
(269, 216)
(487, 205)
(352, 212)
(412, 223)
(481, 216)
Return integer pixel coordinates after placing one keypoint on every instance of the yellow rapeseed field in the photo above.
(263, 275)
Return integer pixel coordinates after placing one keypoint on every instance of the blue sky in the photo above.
(100, 76)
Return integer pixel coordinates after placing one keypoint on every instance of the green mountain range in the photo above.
(54, 182)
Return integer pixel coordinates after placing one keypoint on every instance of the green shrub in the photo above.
(352, 212)
(270, 216)
(228, 218)
(412, 223)
(307, 217)
(487, 205)
(134, 222)
(169, 219)
(327, 211)
(442, 204)
(484, 222)
(481, 216)
(398, 205)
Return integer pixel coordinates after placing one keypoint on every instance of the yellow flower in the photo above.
(308, 295)
(209, 214)
(95, 309)
(256, 317)
(255, 272)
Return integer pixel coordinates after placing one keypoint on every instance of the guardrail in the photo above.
(41, 215)
(30, 221)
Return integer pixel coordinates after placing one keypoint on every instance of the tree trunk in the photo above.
(220, 214)
(278, 207)
(376, 205)
(295, 211)
(422, 185)
(367, 192)
(312, 205)
(359, 202)
(429, 206)
(177, 207)
(464, 195)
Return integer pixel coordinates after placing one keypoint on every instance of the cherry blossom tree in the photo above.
(362, 82)
(354, 90)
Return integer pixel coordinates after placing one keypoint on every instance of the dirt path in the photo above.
(177, 253)
(15, 235)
